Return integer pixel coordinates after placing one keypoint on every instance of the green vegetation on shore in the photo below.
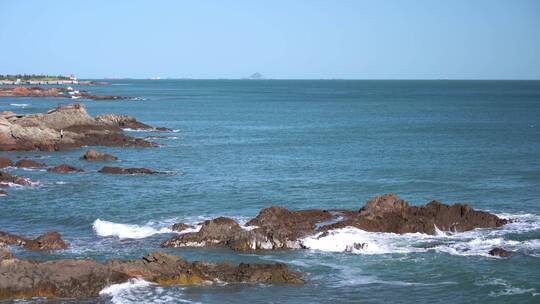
(29, 77)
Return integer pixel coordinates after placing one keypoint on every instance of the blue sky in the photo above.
(463, 39)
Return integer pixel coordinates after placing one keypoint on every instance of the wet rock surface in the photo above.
(62, 128)
(29, 163)
(93, 155)
(65, 169)
(49, 241)
(5, 162)
(500, 252)
(118, 170)
(279, 228)
(180, 227)
(7, 179)
(20, 91)
(127, 122)
(22, 279)
(3, 193)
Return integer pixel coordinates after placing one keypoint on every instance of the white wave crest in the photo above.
(20, 105)
(477, 242)
(118, 292)
(132, 231)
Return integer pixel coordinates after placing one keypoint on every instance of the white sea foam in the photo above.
(119, 292)
(140, 291)
(20, 105)
(132, 231)
(472, 243)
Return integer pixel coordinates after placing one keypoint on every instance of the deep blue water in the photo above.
(245, 145)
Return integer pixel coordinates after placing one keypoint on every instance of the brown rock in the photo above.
(180, 227)
(28, 163)
(6, 179)
(5, 254)
(5, 162)
(93, 155)
(500, 252)
(117, 170)
(51, 240)
(65, 169)
(123, 121)
(23, 279)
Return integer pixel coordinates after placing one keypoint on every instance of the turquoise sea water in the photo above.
(240, 146)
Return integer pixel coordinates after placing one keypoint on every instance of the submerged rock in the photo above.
(62, 128)
(279, 228)
(65, 169)
(93, 155)
(29, 163)
(180, 227)
(49, 241)
(23, 279)
(500, 252)
(118, 170)
(7, 179)
(3, 193)
(5, 162)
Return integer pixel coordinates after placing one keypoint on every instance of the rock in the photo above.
(276, 228)
(47, 242)
(5, 162)
(5, 254)
(279, 228)
(123, 121)
(28, 163)
(355, 246)
(53, 92)
(7, 179)
(180, 227)
(3, 193)
(24, 279)
(500, 252)
(117, 170)
(65, 169)
(93, 155)
(43, 131)
(389, 213)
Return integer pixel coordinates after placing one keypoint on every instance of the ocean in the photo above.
(238, 146)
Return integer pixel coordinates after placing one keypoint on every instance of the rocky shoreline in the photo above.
(279, 228)
(65, 128)
(57, 279)
(19, 91)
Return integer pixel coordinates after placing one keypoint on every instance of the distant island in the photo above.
(255, 76)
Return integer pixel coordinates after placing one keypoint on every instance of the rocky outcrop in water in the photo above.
(5, 162)
(118, 170)
(20, 91)
(3, 193)
(127, 122)
(49, 241)
(93, 155)
(279, 228)
(500, 252)
(7, 179)
(180, 227)
(65, 169)
(28, 163)
(62, 128)
(23, 279)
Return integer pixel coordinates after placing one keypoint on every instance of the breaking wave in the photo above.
(472, 243)
(132, 231)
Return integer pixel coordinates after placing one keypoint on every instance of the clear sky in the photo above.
(464, 39)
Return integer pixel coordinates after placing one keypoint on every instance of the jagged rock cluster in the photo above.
(279, 228)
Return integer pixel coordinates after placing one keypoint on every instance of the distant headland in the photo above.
(40, 79)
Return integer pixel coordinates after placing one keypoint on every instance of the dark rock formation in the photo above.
(93, 155)
(28, 163)
(123, 121)
(117, 170)
(85, 278)
(49, 241)
(7, 179)
(388, 213)
(65, 169)
(180, 227)
(3, 193)
(500, 252)
(279, 228)
(62, 128)
(53, 92)
(5, 162)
